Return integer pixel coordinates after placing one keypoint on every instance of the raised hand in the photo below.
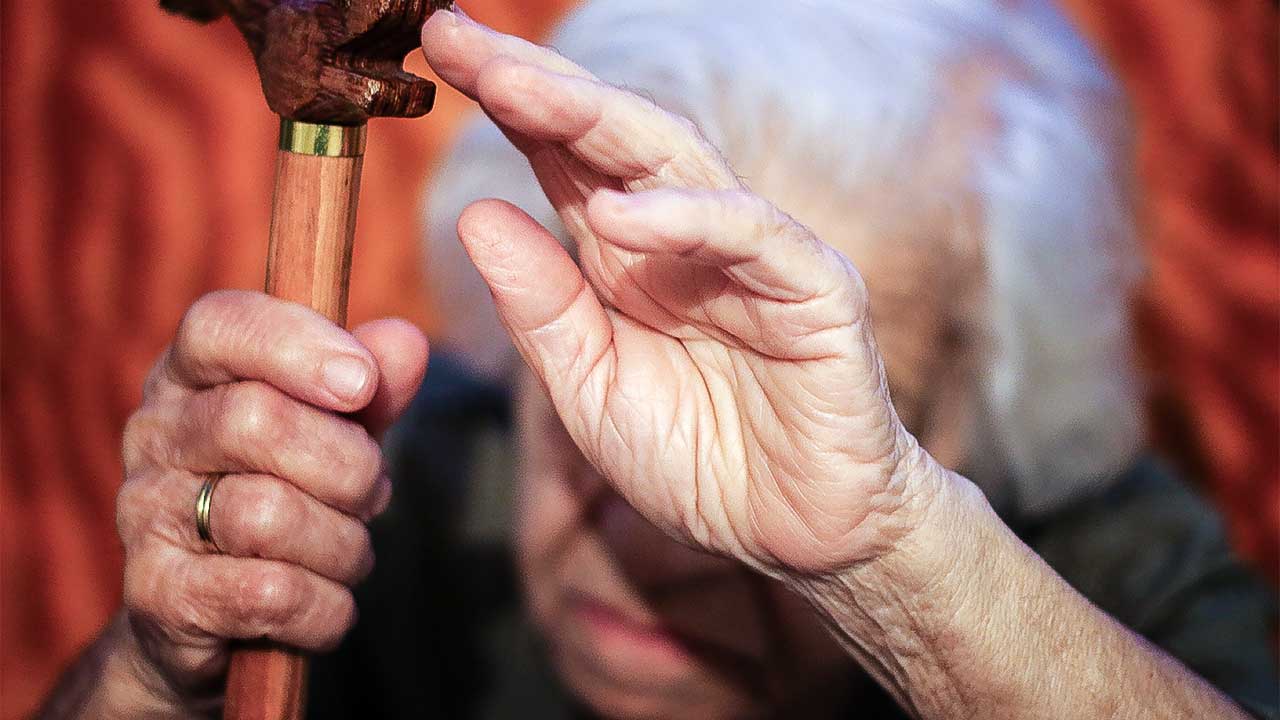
(706, 352)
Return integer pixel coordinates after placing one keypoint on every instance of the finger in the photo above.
(259, 516)
(400, 350)
(547, 306)
(251, 427)
(752, 241)
(541, 94)
(612, 131)
(238, 335)
(251, 516)
(200, 596)
(457, 47)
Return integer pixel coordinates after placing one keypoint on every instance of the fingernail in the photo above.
(447, 17)
(346, 376)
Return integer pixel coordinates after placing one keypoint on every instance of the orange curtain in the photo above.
(136, 171)
(138, 158)
(1202, 76)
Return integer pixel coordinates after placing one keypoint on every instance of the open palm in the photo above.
(708, 354)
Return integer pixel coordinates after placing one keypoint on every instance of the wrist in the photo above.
(961, 619)
(893, 613)
(131, 685)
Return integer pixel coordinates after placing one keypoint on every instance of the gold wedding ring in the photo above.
(204, 512)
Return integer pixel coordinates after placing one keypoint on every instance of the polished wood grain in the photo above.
(313, 221)
(266, 682)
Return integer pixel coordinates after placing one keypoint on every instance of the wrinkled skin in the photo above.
(252, 389)
(705, 371)
(709, 355)
(639, 625)
(710, 359)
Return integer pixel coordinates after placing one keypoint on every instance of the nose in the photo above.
(646, 555)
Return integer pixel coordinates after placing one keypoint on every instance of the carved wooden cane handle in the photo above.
(330, 61)
(327, 66)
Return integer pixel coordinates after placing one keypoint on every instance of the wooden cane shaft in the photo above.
(312, 227)
(266, 681)
(309, 261)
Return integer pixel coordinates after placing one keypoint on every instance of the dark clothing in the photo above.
(441, 632)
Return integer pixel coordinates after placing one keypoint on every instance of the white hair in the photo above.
(843, 95)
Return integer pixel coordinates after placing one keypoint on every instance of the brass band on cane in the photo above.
(323, 140)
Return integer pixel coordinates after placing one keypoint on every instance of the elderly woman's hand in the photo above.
(714, 360)
(259, 391)
(707, 353)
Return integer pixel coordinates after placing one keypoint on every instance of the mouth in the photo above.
(617, 633)
(640, 653)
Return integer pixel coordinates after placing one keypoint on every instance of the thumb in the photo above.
(400, 350)
(550, 311)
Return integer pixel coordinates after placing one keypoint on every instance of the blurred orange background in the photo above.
(137, 160)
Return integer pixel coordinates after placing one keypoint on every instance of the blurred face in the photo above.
(639, 625)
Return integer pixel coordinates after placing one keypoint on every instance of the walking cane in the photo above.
(327, 66)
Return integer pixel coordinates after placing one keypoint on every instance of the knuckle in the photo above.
(773, 223)
(249, 413)
(368, 466)
(267, 596)
(359, 546)
(134, 504)
(205, 319)
(213, 308)
(156, 375)
(222, 324)
(138, 583)
(770, 219)
(736, 203)
(368, 454)
(682, 124)
(150, 586)
(196, 663)
(142, 440)
(345, 612)
(384, 493)
(337, 619)
(145, 507)
(268, 516)
(853, 290)
(696, 147)
(363, 463)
